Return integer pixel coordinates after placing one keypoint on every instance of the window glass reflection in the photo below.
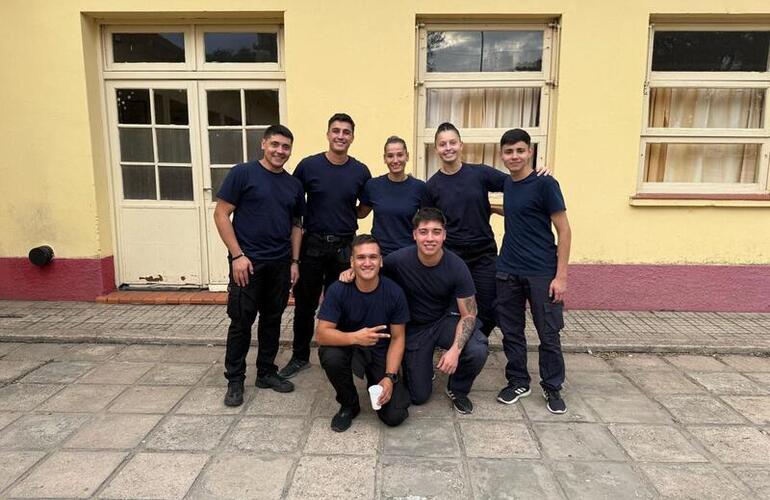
(148, 47)
(241, 47)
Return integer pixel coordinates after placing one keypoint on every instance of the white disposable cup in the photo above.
(374, 395)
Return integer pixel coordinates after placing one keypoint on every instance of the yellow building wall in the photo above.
(356, 56)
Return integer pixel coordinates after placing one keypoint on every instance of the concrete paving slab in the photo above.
(488, 380)
(702, 481)
(58, 372)
(8, 417)
(694, 363)
(24, 397)
(422, 438)
(734, 444)
(438, 406)
(92, 352)
(148, 399)
(6, 347)
(242, 476)
(755, 477)
(655, 443)
(139, 352)
(116, 372)
(498, 439)
(270, 402)
(754, 408)
(763, 379)
(156, 476)
(727, 383)
(13, 369)
(407, 477)
(100, 433)
(362, 438)
(598, 383)
(577, 441)
(665, 382)
(641, 363)
(266, 434)
(69, 474)
(189, 433)
(601, 480)
(14, 463)
(193, 353)
(747, 363)
(486, 406)
(585, 362)
(320, 477)
(622, 408)
(82, 398)
(577, 409)
(174, 374)
(512, 479)
(699, 409)
(38, 352)
(40, 431)
(206, 401)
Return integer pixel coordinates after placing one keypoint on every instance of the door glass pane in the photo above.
(148, 47)
(692, 163)
(484, 107)
(241, 47)
(171, 106)
(254, 143)
(136, 144)
(173, 145)
(484, 51)
(262, 107)
(224, 107)
(138, 182)
(133, 106)
(710, 51)
(706, 108)
(225, 147)
(175, 183)
(217, 178)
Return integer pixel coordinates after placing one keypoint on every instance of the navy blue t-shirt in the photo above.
(394, 204)
(431, 291)
(332, 191)
(528, 245)
(464, 199)
(265, 204)
(351, 309)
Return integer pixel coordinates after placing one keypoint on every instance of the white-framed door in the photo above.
(157, 185)
(233, 117)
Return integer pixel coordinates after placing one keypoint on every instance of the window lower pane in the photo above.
(136, 144)
(173, 145)
(225, 147)
(706, 108)
(217, 178)
(254, 143)
(484, 107)
(138, 182)
(171, 106)
(224, 107)
(697, 163)
(175, 183)
(261, 107)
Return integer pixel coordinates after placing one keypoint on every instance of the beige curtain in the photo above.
(704, 108)
(481, 108)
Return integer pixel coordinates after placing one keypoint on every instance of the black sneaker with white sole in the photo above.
(554, 402)
(511, 393)
(293, 367)
(460, 402)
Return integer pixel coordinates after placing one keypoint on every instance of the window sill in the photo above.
(699, 200)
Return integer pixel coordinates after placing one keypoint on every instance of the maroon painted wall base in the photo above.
(62, 279)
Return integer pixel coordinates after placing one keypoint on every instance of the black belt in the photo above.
(330, 238)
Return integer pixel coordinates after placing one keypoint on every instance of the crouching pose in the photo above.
(360, 330)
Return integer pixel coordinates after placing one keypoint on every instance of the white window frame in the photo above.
(544, 79)
(689, 79)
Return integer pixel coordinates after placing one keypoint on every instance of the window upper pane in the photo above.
(706, 107)
(261, 107)
(148, 47)
(710, 51)
(133, 106)
(484, 51)
(171, 106)
(241, 47)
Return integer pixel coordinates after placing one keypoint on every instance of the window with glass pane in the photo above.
(484, 51)
(698, 163)
(710, 51)
(706, 107)
(484, 107)
(148, 47)
(241, 47)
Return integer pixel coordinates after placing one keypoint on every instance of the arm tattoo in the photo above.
(470, 305)
(468, 324)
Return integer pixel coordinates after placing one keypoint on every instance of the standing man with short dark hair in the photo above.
(263, 242)
(361, 330)
(333, 181)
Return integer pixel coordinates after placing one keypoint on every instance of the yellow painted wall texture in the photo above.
(357, 56)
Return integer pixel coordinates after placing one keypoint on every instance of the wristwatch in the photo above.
(393, 377)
